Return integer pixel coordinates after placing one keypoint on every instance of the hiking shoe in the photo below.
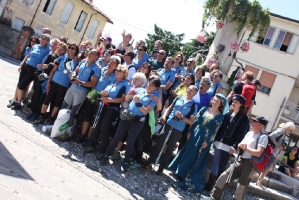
(124, 166)
(116, 155)
(65, 137)
(134, 165)
(40, 120)
(16, 106)
(104, 160)
(49, 121)
(88, 149)
(11, 103)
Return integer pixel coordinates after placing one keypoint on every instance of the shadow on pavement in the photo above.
(9, 166)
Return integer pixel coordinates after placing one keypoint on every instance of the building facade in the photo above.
(77, 20)
(273, 58)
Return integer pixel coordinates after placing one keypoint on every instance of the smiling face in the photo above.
(216, 77)
(191, 91)
(216, 102)
(204, 87)
(188, 80)
(144, 68)
(150, 87)
(137, 82)
(60, 50)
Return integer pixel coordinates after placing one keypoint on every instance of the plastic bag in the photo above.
(61, 123)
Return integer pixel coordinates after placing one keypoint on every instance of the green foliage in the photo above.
(172, 43)
(243, 12)
(232, 77)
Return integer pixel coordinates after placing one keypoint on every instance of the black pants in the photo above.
(174, 137)
(37, 95)
(26, 76)
(56, 94)
(102, 128)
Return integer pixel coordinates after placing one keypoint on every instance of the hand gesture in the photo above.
(100, 34)
(123, 33)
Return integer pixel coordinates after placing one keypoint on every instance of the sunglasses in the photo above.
(189, 61)
(161, 53)
(119, 70)
(61, 48)
(140, 49)
(295, 149)
(215, 76)
(33, 41)
(72, 48)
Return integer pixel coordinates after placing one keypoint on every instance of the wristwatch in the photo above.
(79, 83)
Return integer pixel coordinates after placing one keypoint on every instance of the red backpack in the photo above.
(248, 91)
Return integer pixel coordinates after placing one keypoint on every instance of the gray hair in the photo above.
(206, 80)
(143, 42)
(290, 125)
(47, 36)
(140, 76)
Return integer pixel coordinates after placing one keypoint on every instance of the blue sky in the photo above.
(177, 16)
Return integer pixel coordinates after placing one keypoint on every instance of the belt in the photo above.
(245, 158)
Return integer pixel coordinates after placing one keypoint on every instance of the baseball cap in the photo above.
(260, 120)
(107, 38)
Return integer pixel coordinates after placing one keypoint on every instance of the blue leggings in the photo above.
(221, 159)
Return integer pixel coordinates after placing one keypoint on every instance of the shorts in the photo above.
(75, 96)
(58, 92)
(26, 76)
(283, 169)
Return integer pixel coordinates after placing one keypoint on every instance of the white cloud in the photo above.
(177, 16)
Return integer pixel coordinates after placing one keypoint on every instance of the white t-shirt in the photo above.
(250, 139)
(131, 71)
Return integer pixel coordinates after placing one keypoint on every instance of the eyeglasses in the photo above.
(189, 61)
(140, 49)
(43, 38)
(72, 48)
(295, 149)
(61, 48)
(161, 53)
(215, 76)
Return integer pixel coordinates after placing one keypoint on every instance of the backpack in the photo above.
(276, 139)
(248, 91)
(266, 160)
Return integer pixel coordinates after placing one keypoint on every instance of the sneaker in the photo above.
(40, 120)
(104, 160)
(11, 103)
(160, 171)
(49, 121)
(65, 137)
(116, 155)
(134, 165)
(16, 106)
(124, 166)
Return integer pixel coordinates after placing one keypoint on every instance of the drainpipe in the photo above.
(281, 106)
(87, 27)
(35, 13)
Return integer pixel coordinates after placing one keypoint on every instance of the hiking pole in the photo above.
(164, 144)
(101, 105)
(233, 166)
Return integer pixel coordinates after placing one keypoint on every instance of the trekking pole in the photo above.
(233, 166)
(101, 105)
(164, 144)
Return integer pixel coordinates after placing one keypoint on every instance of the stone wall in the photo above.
(8, 39)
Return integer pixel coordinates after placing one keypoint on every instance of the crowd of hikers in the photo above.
(152, 103)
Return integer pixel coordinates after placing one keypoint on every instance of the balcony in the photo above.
(291, 111)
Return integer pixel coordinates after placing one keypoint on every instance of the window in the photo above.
(265, 39)
(38, 31)
(28, 1)
(81, 21)
(66, 13)
(17, 24)
(49, 6)
(92, 29)
(286, 40)
(267, 80)
(254, 70)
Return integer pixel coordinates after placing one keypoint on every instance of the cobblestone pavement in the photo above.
(34, 166)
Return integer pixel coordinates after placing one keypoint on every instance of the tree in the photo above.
(190, 48)
(171, 43)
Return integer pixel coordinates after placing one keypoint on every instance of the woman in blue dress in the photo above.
(190, 163)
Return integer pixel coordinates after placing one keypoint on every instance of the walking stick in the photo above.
(101, 105)
(233, 166)
(164, 144)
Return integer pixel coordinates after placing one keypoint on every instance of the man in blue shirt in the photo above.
(202, 98)
(181, 112)
(190, 66)
(88, 74)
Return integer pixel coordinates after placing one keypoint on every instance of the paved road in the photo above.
(32, 166)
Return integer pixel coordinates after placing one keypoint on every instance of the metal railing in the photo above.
(291, 111)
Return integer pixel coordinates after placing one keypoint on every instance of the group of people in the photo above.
(121, 94)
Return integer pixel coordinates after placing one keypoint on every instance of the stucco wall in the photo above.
(18, 8)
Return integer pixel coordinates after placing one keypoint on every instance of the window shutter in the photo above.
(51, 7)
(287, 39)
(293, 44)
(267, 79)
(269, 36)
(92, 29)
(254, 70)
(81, 21)
(66, 12)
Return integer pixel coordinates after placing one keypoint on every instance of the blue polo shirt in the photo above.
(86, 72)
(166, 76)
(145, 99)
(27, 51)
(137, 63)
(104, 81)
(202, 100)
(190, 72)
(59, 76)
(117, 90)
(180, 71)
(37, 54)
(99, 61)
(211, 91)
(184, 108)
(197, 83)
